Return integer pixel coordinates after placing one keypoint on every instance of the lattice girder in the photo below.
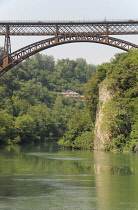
(69, 27)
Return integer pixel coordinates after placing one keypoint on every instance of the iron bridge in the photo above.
(62, 32)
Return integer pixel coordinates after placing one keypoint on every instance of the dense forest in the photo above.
(31, 104)
(33, 109)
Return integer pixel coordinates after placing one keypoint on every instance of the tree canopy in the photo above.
(31, 105)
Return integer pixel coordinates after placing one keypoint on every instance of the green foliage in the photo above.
(32, 108)
(134, 132)
(1, 52)
(25, 126)
(116, 144)
(119, 142)
(84, 141)
(31, 105)
(120, 119)
(121, 112)
(79, 132)
(92, 89)
(8, 133)
(134, 137)
(116, 118)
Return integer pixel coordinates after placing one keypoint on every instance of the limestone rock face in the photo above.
(101, 135)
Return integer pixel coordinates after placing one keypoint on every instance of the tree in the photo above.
(26, 127)
(8, 132)
(79, 132)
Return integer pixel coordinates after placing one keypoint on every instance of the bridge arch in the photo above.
(16, 57)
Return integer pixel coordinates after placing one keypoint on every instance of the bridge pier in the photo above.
(7, 48)
(7, 43)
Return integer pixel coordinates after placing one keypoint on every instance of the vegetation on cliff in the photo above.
(120, 119)
(121, 112)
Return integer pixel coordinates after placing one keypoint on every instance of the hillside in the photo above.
(33, 109)
(111, 98)
(31, 105)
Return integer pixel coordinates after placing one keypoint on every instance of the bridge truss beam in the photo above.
(69, 27)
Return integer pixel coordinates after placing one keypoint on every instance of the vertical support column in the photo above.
(56, 40)
(57, 30)
(56, 34)
(7, 47)
(7, 44)
(106, 37)
(106, 29)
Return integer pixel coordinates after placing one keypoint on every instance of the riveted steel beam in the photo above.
(69, 27)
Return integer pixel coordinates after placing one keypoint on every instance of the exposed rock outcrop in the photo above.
(101, 136)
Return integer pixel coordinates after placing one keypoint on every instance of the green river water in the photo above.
(44, 177)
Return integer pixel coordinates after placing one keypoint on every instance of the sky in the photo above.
(70, 10)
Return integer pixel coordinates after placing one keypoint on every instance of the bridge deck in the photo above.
(69, 27)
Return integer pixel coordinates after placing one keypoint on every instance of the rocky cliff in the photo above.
(101, 136)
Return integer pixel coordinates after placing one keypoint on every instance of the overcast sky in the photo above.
(70, 10)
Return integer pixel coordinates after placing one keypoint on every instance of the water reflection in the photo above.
(112, 170)
(45, 177)
(114, 164)
(116, 180)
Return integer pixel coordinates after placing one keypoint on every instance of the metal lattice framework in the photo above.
(69, 27)
(63, 32)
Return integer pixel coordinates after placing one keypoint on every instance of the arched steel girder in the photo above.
(16, 57)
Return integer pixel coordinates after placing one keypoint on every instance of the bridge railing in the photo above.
(69, 21)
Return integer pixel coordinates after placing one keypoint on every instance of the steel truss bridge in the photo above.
(62, 32)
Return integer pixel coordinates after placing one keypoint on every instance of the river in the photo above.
(45, 177)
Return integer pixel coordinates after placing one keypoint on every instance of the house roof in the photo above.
(70, 93)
